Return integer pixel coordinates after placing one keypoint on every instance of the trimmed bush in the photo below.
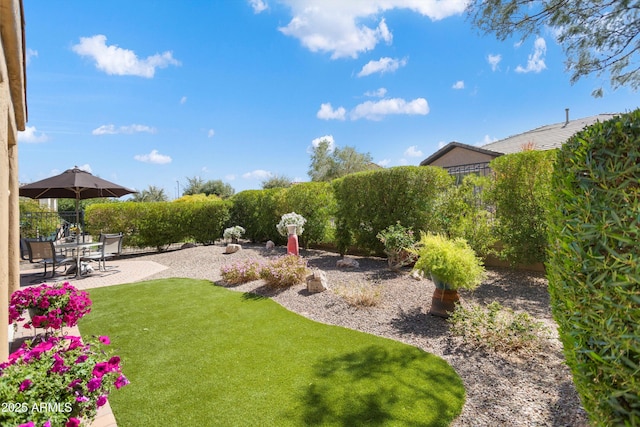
(316, 203)
(368, 202)
(594, 266)
(520, 191)
(258, 211)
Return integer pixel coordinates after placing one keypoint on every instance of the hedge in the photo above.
(370, 201)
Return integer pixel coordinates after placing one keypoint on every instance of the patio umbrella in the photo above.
(73, 184)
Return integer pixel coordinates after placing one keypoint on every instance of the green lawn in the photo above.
(201, 355)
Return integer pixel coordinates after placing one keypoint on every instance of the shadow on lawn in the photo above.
(378, 386)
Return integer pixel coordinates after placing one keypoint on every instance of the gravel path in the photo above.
(502, 389)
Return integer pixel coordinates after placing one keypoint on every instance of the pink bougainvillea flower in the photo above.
(114, 363)
(121, 382)
(25, 384)
(81, 358)
(73, 422)
(74, 383)
(81, 398)
(105, 340)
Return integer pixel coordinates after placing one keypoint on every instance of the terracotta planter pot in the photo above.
(443, 302)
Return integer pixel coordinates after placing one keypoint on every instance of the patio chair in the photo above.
(111, 247)
(44, 252)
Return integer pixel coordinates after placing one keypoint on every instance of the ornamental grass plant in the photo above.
(285, 271)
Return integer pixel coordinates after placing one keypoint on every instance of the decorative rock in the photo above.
(317, 282)
(270, 245)
(417, 275)
(232, 248)
(347, 263)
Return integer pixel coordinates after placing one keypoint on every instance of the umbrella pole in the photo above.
(78, 218)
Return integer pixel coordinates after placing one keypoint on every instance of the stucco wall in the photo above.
(459, 156)
(13, 115)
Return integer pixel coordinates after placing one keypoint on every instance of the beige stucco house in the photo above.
(13, 109)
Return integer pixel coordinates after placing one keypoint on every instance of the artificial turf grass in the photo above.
(199, 355)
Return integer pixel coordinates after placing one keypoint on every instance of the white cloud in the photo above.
(86, 167)
(211, 133)
(153, 157)
(111, 129)
(383, 65)
(441, 144)
(31, 135)
(377, 110)
(384, 162)
(326, 112)
(183, 100)
(337, 27)
(122, 62)
(458, 85)
(494, 60)
(30, 54)
(413, 152)
(257, 174)
(230, 177)
(536, 58)
(258, 5)
(378, 93)
(486, 140)
(317, 141)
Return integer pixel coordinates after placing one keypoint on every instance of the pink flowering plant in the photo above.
(285, 271)
(241, 271)
(58, 381)
(52, 306)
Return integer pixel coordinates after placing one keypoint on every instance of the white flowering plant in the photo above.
(234, 232)
(291, 218)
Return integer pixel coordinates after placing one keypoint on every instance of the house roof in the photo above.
(546, 137)
(452, 145)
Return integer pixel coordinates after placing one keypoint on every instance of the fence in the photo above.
(49, 225)
(481, 169)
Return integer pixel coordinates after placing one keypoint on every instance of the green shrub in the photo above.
(205, 221)
(520, 192)
(398, 243)
(368, 202)
(285, 271)
(37, 220)
(497, 328)
(316, 203)
(258, 211)
(594, 266)
(462, 211)
(450, 261)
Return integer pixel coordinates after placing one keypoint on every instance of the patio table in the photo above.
(78, 248)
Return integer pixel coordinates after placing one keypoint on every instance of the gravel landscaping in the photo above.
(502, 389)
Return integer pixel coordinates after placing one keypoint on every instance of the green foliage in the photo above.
(368, 202)
(151, 194)
(285, 271)
(398, 242)
(158, 224)
(277, 181)
(197, 185)
(594, 266)
(316, 203)
(451, 262)
(328, 162)
(497, 328)
(258, 211)
(596, 36)
(520, 191)
(461, 211)
(37, 220)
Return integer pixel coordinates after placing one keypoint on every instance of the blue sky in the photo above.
(152, 92)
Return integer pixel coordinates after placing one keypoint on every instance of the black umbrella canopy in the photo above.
(73, 184)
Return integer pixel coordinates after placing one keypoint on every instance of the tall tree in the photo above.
(327, 164)
(197, 185)
(277, 181)
(151, 194)
(598, 36)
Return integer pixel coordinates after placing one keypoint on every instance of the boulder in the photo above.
(417, 275)
(232, 248)
(317, 281)
(270, 245)
(347, 263)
